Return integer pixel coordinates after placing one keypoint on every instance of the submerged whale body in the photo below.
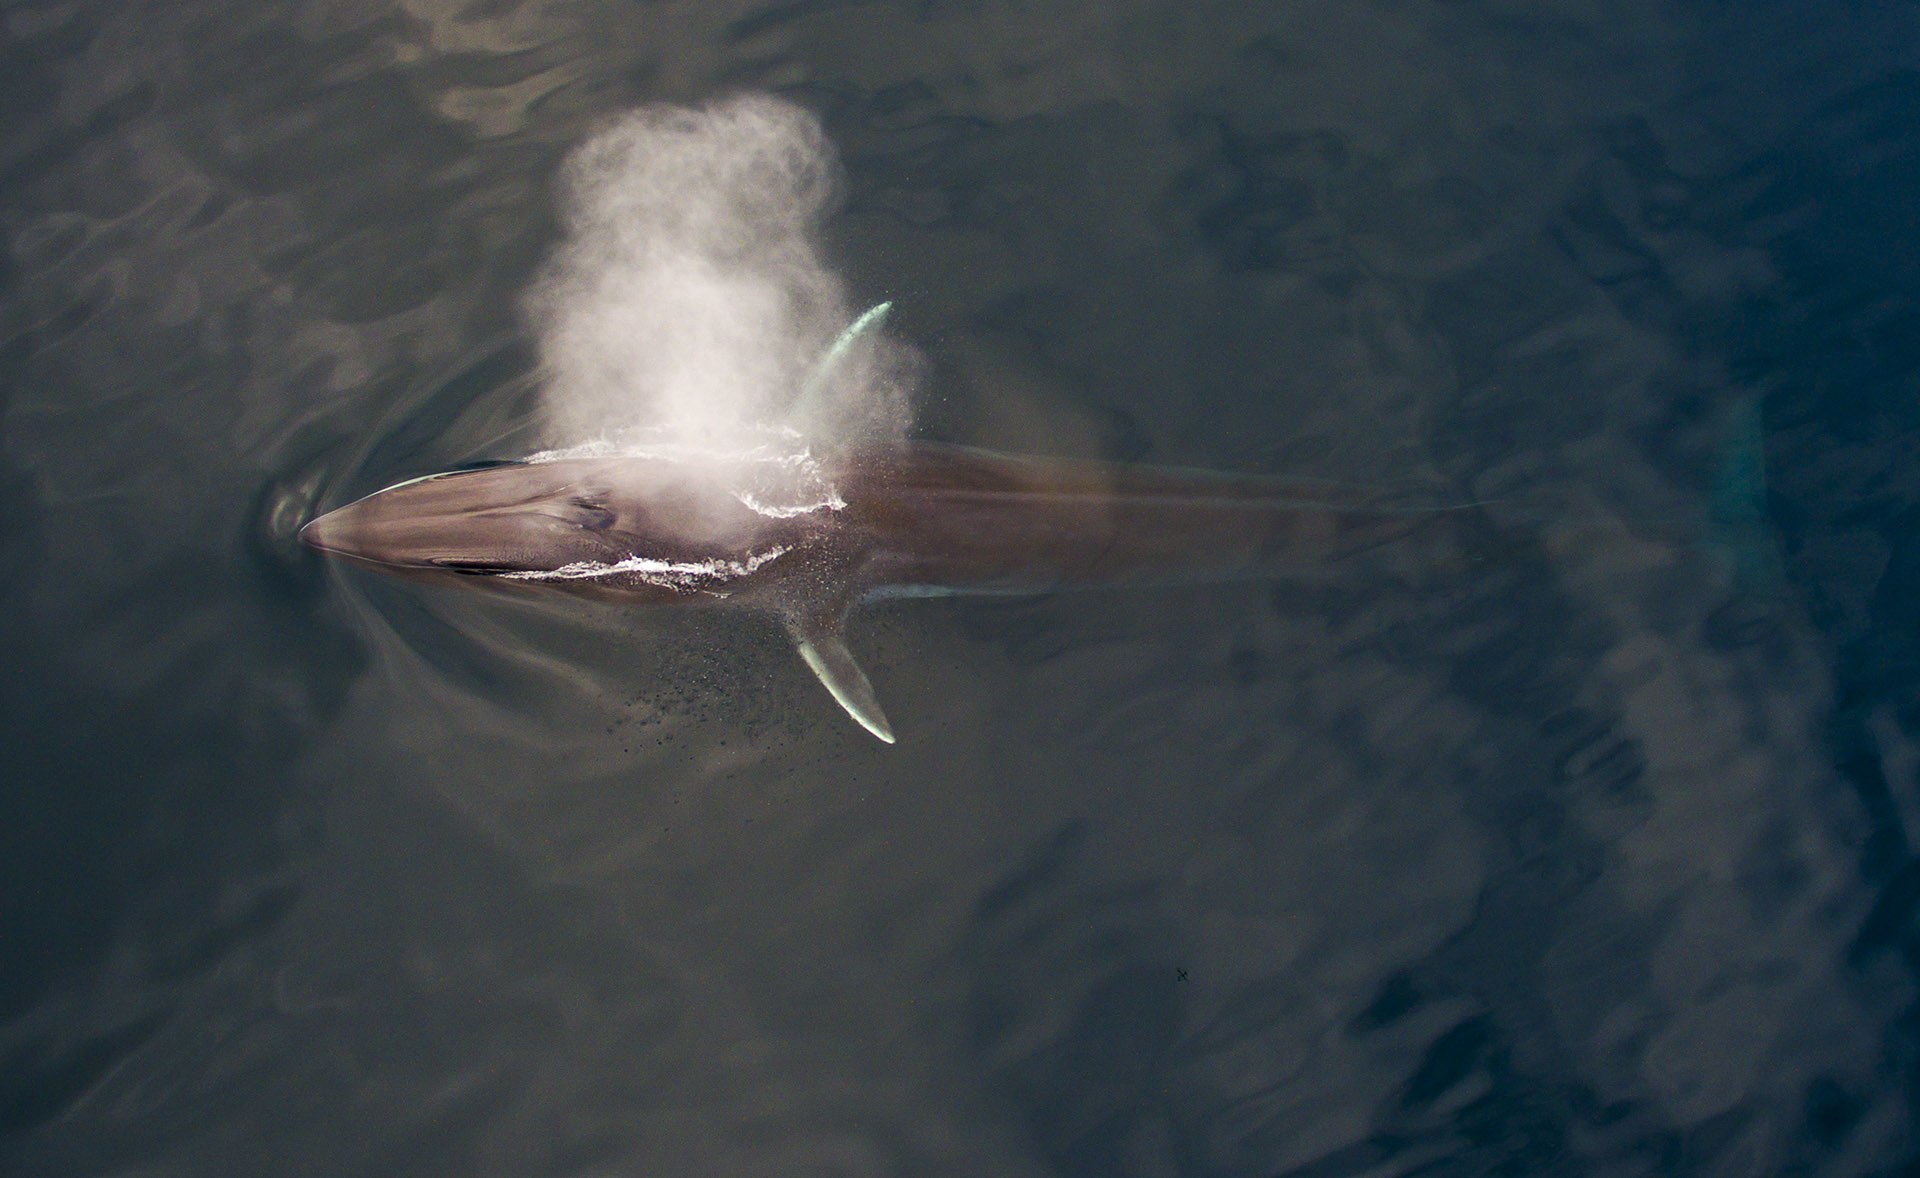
(773, 530)
(767, 526)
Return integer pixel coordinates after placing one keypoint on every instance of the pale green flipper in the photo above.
(823, 645)
(837, 351)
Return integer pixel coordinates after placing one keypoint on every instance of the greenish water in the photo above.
(1600, 860)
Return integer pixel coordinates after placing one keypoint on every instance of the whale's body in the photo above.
(775, 532)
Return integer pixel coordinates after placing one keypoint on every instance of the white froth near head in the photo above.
(690, 300)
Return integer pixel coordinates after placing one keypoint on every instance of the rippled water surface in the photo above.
(1599, 857)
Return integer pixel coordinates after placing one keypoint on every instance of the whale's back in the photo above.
(955, 519)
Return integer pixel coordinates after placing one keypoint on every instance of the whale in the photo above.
(805, 543)
(769, 528)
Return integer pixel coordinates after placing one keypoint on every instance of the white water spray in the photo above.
(689, 305)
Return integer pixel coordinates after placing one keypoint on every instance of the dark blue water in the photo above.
(1600, 859)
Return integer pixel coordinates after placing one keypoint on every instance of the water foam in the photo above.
(711, 577)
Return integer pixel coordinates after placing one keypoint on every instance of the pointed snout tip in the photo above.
(318, 533)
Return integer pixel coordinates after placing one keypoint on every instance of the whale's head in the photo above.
(498, 518)
(629, 524)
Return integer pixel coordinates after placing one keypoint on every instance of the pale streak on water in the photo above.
(1576, 865)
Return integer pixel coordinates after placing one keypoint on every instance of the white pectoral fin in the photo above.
(827, 368)
(824, 647)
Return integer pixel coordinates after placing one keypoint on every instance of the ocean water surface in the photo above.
(1596, 857)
